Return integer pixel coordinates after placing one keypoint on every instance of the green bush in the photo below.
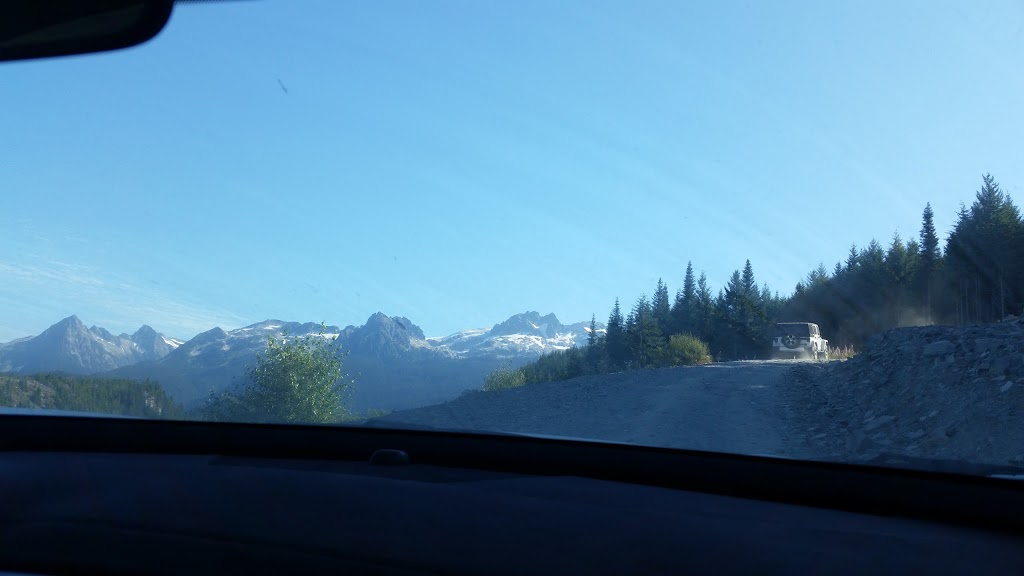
(687, 350)
(504, 377)
(298, 380)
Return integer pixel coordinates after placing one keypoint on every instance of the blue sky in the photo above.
(457, 162)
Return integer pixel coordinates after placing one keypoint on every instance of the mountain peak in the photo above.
(151, 344)
(530, 322)
(68, 346)
(378, 319)
(66, 328)
(385, 336)
(210, 335)
(406, 324)
(527, 334)
(394, 325)
(69, 322)
(102, 333)
(268, 324)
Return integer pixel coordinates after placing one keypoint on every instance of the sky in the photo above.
(457, 162)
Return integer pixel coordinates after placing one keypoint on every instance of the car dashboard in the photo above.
(402, 502)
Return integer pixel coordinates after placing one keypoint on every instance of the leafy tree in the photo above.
(298, 380)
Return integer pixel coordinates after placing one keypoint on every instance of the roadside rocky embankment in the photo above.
(947, 392)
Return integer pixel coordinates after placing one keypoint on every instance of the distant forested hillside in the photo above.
(87, 394)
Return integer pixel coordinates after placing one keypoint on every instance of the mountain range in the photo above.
(394, 364)
(68, 346)
(527, 334)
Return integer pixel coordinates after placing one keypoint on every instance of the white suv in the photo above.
(799, 340)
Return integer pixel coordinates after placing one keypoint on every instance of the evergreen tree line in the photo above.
(977, 277)
(88, 394)
(695, 326)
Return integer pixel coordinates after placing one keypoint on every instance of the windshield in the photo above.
(577, 219)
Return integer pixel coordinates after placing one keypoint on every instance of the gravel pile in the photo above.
(949, 392)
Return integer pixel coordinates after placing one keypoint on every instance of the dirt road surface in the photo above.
(729, 407)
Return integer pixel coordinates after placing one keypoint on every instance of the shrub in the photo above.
(687, 350)
(298, 380)
(504, 377)
(844, 353)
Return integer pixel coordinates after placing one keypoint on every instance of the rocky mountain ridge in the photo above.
(68, 346)
(528, 333)
(393, 361)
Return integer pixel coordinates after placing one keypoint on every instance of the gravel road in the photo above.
(953, 393)
(729, 407)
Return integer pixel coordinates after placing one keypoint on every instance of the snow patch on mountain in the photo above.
(172, 342)
(523, 335)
